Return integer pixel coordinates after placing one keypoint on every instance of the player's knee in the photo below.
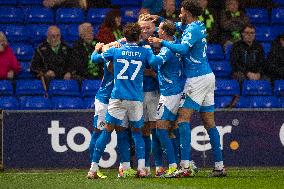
(146, 130)
(109, 128)
(119, 128)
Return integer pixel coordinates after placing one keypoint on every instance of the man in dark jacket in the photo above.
(82, 49)
(247, 56)
(53, 58)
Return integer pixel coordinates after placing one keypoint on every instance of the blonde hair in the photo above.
(3, 38)
(144, 17)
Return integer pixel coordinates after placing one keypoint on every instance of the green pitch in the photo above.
(237, 178)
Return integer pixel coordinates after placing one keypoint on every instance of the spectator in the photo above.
(53, 58)
(111, 29)
(152, 6)
(99, 3)
(169, 11)
(9, 65)
(209, 18)
(232, 21)
(267, 4)
(83, 49)
(65, 3)
(275, 59)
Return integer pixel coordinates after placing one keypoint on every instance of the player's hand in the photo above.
(154, 18)
(155, 41)
(99, 46)
(147, 46)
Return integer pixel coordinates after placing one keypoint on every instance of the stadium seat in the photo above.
(25, 71)
(221, 68)
(11, 15)
(89, 103)
(64, 88)
(244, 102)
(222, 101)
(264, 34)
(30, 2)
(257, 15)
(256, 87)
(8, 2)
(97, 16)
(39, 15)
(227, 87)
(266, 48)
(264, 102)
(16, 33)
(126, 3)
(29, 88)
(69, 15)
(281, 102)
(90, 87)
(67, 103)
(6, 88)
(279, 88)
(23, 52)
(215, 52)
(34, 103)
(69, 32)
(277, 16)
(9, 103)
(38, 33)
(129, 14)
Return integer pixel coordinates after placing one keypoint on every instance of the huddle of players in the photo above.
(130, 96)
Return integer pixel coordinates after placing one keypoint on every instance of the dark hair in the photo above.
(169, 27)
(109, 20)
(193, 7)
(132, 32)
(247, 26)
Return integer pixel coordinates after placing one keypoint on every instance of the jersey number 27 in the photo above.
(125, 67)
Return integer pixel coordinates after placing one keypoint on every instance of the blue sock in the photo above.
(156, 149)
(139, 145)
(147, 142)
(100, 145)
(176, 144)
(215, 143)
(95, 136)
(163, 135)
(123, 146)
(185, 140)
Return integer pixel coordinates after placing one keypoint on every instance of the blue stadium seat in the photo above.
(256, 87)
(25, 71)
(11, 15)
(89, 103)
(257, 15)
(69, 32)
(279, 88)
(281, 102)
(221, 68)
(16, 33)
(90, 87)
(277, 30)
(23, 52)
(39, 15)
(69, 15)
(67, 103)
(227, 87)
(244, 102)
(264, 34)
(29, 88)
(266, 48)
(129, 14)
(64, 88)
(6, 88)
(264, 102)
(222, 101)
(38, 32)
(30, 2)
(34, 103)
(126, 3)
(8, 2)
(9, 103)
(215, 52)
(277, 16)
(97, 16)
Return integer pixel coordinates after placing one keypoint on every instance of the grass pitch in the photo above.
(237, 178)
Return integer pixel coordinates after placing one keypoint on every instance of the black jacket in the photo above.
(45, 59)
(245, 58)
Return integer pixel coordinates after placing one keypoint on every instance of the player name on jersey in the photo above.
(131, 53)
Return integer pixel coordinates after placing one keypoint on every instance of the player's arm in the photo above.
(106, 56)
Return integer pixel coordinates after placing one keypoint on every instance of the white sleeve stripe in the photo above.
(161, 58)
(104, 57)
(186, 42)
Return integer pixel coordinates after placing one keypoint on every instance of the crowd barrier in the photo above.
(60, 139)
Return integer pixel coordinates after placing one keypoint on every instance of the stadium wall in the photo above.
(60, 139)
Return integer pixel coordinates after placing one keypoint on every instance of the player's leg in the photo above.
(146, 132)
(157, 154)
(175, 138)
(95, 135)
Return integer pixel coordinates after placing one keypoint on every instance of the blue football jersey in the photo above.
(129, 63)
(195, 61)
(169, 71)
